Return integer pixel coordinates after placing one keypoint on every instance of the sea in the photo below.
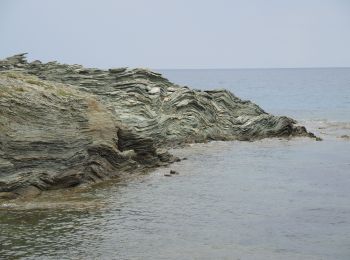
(267, 199)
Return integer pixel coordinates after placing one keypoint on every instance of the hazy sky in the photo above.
(179, 33)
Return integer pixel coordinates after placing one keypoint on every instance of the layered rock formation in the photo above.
(62, 125)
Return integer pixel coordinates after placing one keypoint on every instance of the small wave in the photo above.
(328, 129)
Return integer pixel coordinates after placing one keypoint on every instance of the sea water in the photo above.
(269, 199)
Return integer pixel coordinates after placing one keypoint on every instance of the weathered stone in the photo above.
(63, 125)
(8, 195)
(54, 136)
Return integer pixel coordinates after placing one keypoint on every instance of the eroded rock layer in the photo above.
(62, 125)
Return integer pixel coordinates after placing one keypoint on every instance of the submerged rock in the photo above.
(62, 125)
(345, 136)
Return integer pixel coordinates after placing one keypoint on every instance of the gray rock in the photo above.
(54, 136)
(345, 136)
(62, 125)
(173, 172)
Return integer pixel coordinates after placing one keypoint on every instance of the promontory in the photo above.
(63, 125)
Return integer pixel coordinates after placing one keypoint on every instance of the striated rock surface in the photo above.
(53, 136)
(62, 125)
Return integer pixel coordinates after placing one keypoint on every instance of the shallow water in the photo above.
(270, 199)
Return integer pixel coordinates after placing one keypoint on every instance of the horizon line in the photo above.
(256, 68)
(25, 54)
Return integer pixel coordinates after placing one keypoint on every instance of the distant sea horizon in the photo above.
(252, 68)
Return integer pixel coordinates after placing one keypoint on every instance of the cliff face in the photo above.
(62, 125)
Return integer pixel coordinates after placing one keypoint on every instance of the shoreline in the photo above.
(75, 196)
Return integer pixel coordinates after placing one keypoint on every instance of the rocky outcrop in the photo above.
(62, 125)
(53, 136)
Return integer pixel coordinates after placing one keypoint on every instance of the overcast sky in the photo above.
(179, 33)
